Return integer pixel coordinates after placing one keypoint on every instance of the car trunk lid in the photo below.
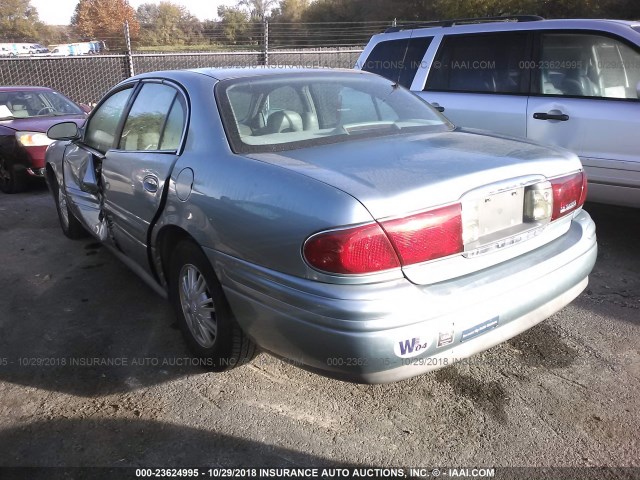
(397, 176)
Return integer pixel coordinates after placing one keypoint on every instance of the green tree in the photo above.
(168, 24)
(104, 19)
(19, 21)
(258, 9)
(290, 11)
(234, 24)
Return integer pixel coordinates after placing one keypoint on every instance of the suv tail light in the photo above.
(375, 247)
(569, 194)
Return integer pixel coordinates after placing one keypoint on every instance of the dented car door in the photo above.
(84, 158)
(136, 171)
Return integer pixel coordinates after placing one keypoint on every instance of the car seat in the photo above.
(284, 121)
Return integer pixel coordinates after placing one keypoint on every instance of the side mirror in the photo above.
(63, 131)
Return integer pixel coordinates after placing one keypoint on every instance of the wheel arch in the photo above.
(166, 240)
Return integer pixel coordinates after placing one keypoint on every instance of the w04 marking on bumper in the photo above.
(410, 347)
(479, 329)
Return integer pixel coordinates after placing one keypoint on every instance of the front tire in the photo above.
(203, 313)
(71, 226)
(11, 179)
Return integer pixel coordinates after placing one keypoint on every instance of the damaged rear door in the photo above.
(136, 171)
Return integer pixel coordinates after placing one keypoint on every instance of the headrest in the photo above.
(284, 121)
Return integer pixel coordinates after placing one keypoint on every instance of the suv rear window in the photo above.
(398, 60)
(485, 63)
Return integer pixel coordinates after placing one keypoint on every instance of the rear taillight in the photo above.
(375, 247)
(428, 235)
(569, 194)
(357, 250)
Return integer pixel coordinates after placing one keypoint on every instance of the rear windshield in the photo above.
(637, 29)
(289, 111)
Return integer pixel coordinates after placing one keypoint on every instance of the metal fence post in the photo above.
(127, 38)
(265, 43)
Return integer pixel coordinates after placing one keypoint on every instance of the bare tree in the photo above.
(258, 8)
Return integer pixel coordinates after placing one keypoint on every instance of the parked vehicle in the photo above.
(570, 83)
(7, 50)
(37, 48)
(26, 113)
(331, 218)
(78, 48)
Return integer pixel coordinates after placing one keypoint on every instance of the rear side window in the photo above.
(587, 65)
(398, 60)
(172, 133)
(487, 63)
(148, 118)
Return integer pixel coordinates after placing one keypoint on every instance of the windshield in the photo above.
(284, 112)
(637, 29)
(33, 103)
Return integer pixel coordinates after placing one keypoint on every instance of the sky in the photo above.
(58, 12)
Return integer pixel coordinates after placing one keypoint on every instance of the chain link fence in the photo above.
(85, 79)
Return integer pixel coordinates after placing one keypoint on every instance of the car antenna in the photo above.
(404, 57)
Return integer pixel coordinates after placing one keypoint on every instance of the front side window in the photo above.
(101, 129)
(398, 60)
(486, 63)
(147, 119)
(587, 65)
(333, 108)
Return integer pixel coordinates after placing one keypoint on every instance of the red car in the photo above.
(26, 113)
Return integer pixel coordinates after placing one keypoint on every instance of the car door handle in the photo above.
(150, 183)
(438, 107)
(563, 117)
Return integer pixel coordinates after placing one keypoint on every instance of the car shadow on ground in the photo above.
(139, 443)
(614, 283)
(74, 318)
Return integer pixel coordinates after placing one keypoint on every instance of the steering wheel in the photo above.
(45, 109)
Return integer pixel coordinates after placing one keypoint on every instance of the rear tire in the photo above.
(203, 313)
(11, 179)
(71, 226)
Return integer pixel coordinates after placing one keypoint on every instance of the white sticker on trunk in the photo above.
(410, 347)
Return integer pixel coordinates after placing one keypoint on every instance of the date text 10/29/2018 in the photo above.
(272, 472)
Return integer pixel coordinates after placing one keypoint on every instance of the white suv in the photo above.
(571, 83)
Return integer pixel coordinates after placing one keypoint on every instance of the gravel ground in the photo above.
(565, 393)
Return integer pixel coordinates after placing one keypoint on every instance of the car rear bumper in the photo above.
(378, 333)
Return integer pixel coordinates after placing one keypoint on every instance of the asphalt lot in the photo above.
(565, 393)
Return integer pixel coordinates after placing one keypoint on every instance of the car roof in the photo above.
(508, 25)
(242, 72)
(25, 88)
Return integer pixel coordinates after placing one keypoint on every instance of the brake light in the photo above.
(375, 247)
(426, 236)
(569, 194)
(357, 250)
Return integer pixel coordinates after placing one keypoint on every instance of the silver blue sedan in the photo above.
(331, 218)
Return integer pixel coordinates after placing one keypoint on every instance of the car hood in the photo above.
(400, 174)
(41, 124)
